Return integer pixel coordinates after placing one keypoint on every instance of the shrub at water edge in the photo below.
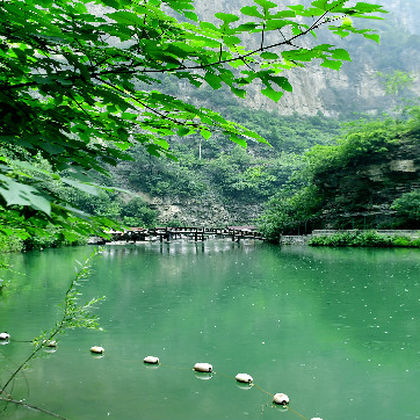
(364, 239)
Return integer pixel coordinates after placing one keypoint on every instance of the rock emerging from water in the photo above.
(244, 378)
(281, 399)
(4, 336)
(203, 367)
(97, 350)
(153, 360)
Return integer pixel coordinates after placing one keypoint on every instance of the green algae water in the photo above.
(335, 329)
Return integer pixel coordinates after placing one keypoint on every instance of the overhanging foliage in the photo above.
(80, 85)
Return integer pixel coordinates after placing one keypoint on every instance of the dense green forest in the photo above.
(227, 172)
(213, 170)
(369, 179)
(316, 173)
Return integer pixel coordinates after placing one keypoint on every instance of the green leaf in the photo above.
(269, 56)
(231, 40)
(301, 54)
(283, 82)
(368, 7)
(266, 5)
(209, 26)
(272, 94)
(331, 64)
(227, 17)
(284, 14)
(340, 54)
(152, 149)
(274, 24)
(46, 3)
(112, 3)
(206, 134)
(183, 131)
(375, 37)
(125, 17)
(213, 80)
(247, 27)
(191, 16)
(16, 193)
(251, 11)
(238, 140)
(88, 188)
(321, 4)
(241, 93)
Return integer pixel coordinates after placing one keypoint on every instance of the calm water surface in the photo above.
(337, 330)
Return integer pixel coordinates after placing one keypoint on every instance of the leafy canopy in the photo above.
(80, 82)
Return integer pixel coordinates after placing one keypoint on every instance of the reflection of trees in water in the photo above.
(180, 247)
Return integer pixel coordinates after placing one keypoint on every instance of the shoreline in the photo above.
(377, 238)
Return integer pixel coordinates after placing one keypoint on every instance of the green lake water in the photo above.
(336, 329)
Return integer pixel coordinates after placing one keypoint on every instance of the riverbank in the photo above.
(13, 243)
(356, 238)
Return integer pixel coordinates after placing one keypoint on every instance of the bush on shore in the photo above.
(10, 244)
(364, 239)
(13, 243)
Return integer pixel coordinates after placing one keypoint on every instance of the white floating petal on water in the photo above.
(4, 336)
(203, 367)
(244, 377)
(281, 399)
(97, 349)
(153, 360)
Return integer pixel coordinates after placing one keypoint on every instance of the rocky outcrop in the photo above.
(206, 211)
(356, 88)
(363, 190)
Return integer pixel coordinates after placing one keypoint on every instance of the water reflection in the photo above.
(179, 247)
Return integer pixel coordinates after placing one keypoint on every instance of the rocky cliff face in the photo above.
(363, 190)
(206, 211)
(357, 87)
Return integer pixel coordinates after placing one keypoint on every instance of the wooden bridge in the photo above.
(132, 235)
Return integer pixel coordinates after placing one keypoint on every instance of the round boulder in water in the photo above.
(244, 378)
(152, 360)
(281, 399)
(50, 343)
(203, 367)
(97, 350)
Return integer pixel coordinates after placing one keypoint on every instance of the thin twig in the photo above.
(33, 407)
(262, 37)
